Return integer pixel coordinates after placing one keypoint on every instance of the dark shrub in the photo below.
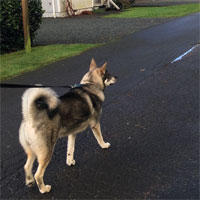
(123, 4)
(12, 35)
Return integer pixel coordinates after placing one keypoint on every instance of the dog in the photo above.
(47, 117)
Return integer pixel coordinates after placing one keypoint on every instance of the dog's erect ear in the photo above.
(92, 64)
(103, 68)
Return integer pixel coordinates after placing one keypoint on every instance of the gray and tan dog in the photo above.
(47, 117)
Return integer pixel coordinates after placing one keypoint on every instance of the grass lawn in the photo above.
(16, 63)
(158, 12)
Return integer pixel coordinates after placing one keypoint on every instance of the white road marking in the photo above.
(181, 56)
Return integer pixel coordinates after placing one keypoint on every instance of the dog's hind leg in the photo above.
(70, 150)
(28, 167)
(29, 179)
(43, 161)
(97, 133)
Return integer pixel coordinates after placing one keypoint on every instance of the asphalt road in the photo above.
(150, 117)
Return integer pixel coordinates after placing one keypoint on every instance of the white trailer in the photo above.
(64, 8)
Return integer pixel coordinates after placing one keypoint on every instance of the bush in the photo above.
(123, 4)
(12, 35)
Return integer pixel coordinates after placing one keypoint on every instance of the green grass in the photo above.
(158, 12)
(99, 11)
(16, 63)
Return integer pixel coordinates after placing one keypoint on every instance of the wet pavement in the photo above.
(150, 117)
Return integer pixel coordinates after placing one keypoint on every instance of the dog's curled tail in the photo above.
(36, 100)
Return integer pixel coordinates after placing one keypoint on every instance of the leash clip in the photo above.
(76, 85)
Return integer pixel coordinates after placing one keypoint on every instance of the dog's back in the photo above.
(78, 109)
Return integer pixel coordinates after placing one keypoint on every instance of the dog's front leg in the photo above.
(97, 133)
(70, 150)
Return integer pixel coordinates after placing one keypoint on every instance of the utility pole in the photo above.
(27, 38)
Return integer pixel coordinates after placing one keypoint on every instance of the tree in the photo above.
(27, 38)
(11, 23)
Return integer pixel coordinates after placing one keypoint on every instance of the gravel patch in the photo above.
(89, 29)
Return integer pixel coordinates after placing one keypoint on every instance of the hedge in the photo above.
(124, 3)
(12, 36)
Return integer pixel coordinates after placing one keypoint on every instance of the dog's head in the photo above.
(99, 75)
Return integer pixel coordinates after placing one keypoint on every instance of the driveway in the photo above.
(150, 117)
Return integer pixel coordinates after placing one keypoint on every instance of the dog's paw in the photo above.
(70, 162)
(30, 181)
(45, 189)
(105, 145)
